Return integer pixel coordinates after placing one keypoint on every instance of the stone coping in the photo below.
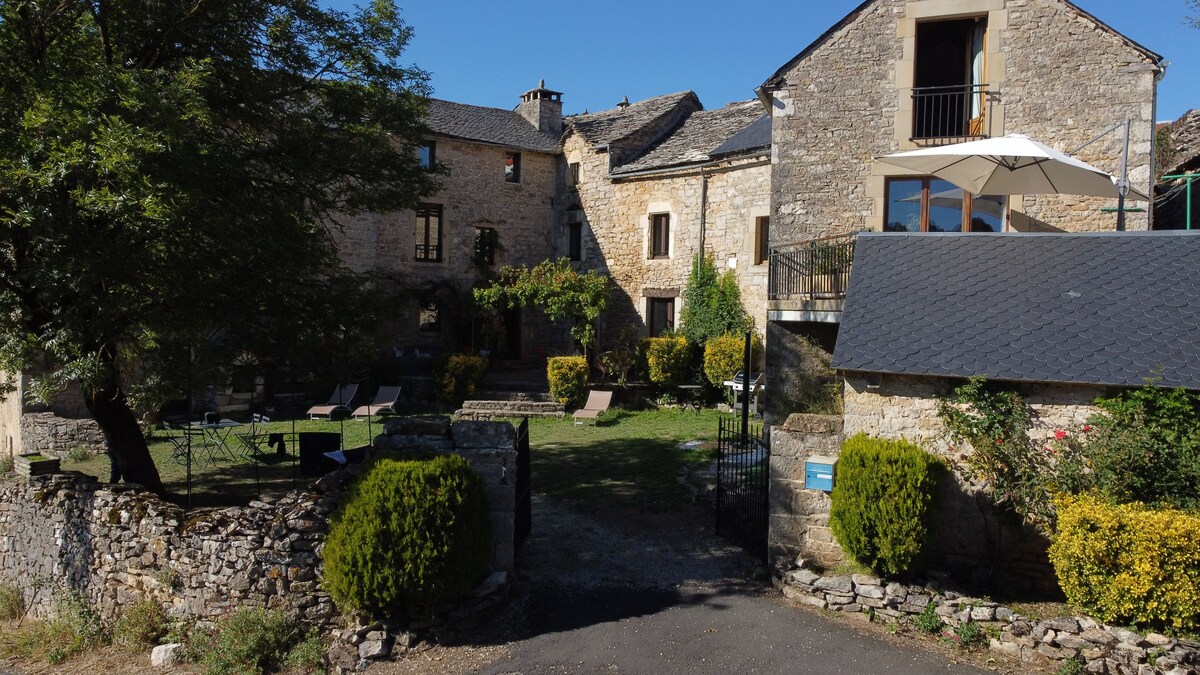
(1100, 648)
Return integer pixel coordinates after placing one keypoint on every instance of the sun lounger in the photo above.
(385, 402)
(338, 402)
(597, 402)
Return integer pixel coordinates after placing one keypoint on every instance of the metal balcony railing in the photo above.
(951, 114)
(817, 268)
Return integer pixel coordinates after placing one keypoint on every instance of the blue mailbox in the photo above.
(818, 473)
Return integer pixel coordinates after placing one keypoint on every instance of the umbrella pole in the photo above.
(1123, 187)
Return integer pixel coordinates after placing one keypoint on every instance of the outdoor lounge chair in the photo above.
(597, 402)
(338, 402)
(385, 402)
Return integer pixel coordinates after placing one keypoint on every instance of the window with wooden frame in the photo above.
(934, 205)
(429, 316)
(762, 226)
(427, 154)
(512, 167)
(429, 233)
(660, 235)
(573, 172)
(660, 315)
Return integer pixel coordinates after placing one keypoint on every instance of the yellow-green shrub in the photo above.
(410, 537)
(459, 377)
(726, 355)
(567, 376)
(1129, 564)
(882, 503)
(667, 360)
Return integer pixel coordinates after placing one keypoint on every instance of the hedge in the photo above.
(567, 376)
(1129, 564)
(882, 502)
(668, 360)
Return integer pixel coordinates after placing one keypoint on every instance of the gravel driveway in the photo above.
(613, 592)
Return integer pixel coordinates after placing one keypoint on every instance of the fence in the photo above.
(743, 476)
(817, 268)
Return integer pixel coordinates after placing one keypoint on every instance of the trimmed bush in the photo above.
(567, 376)
(410, 537)
(459, 377)
(725, 356)
(1129, 564)
(250, 640)
(668, 360)
(882, 500)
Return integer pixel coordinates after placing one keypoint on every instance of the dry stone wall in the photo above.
(56, 436)
(116, 544)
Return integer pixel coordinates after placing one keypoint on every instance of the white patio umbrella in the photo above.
(953, 199)
(1010, 165)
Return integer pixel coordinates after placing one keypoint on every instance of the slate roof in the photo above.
(609, 126)
(1105, 309)
(488, 125)
(695, 140)
(757, 136)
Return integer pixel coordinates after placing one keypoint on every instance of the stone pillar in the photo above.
(799, 518)
(490, 448)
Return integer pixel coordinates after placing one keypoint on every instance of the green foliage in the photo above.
(567, 376)
(812, 385)
(307, 656)
(460, 375)
(1072, 666)
(968, 634)
(1144, 446)
(206, 147)
(140, 626)
(619, 361)
(409, 537)
(12, 602)
(1129, 564)
(74, 625)
(996, 423)
(881, 510)
(249, 640)
(6, 464)
(556, 288)
(79, 453)
(724, 356)
(928, 620)
(712, 304)
(668, 360)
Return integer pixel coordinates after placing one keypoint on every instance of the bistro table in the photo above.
(216, 439)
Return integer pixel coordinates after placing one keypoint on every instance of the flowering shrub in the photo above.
(1129, 564)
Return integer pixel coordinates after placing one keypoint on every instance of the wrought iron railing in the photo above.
(951, 114)
(817, 268)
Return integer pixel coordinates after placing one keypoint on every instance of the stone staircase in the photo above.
(512, 389)
(494, 410)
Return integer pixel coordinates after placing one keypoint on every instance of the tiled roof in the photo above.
(697, 137)
(609, 126)
(488, 125)
(754, 137)
(1107, 309)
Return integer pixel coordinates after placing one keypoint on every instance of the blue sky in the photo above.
(598, 51)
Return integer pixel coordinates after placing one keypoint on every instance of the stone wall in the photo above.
(616, 217)
(115, 544)
(50, 434)
(798, 525)
(1035, 644)
(10, 415)
(1060, 78)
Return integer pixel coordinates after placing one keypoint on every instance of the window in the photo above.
(512, 167)
(660, 235)
(575, 241)
(427, 154)
(429, 232)
(487, 241)
(761, 234)
(949, 92)
(660, 314)
(428, 317)
(934, 205)
(573, 173)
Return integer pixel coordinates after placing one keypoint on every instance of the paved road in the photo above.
(621, 593)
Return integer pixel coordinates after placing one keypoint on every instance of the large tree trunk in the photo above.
(111, 411)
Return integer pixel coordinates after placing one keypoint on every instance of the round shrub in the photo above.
(726, 355)
(1129, 564)
(882, 499)
(668, 360)
(459, 377)
(567, 376)
(410, 537)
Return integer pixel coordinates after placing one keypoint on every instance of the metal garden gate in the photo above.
(743, 475)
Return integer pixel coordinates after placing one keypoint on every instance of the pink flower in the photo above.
(1059, 435)
(1087, 428)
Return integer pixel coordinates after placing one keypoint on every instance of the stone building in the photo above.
(896, 75)
(653, 183)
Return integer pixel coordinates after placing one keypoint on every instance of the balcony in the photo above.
(954, 114)
(807, 280)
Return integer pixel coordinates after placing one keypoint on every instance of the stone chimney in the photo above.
(542, 108)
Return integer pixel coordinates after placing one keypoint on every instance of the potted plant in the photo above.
(34, 464)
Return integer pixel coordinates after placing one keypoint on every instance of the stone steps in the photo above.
(497, 409)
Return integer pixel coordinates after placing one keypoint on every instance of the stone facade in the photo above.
(1053, 72)
(116, 545)
(1035, 644)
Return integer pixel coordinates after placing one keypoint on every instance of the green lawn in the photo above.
(630, 459)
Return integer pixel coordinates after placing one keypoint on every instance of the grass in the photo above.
(629, 459)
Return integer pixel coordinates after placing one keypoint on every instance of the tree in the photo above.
(560, 291)
(168, 176)
(712, 304)
(1193, 19)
